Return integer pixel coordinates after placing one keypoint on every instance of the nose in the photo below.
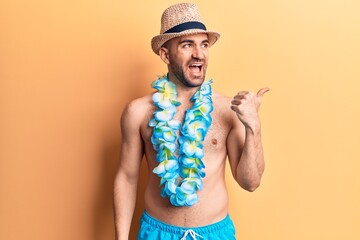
(198, 53)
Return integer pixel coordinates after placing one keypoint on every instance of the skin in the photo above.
(235, 133)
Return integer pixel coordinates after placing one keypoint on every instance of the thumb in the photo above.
(262, 91)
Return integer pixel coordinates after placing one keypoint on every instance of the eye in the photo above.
(187, 45)
(205, 45)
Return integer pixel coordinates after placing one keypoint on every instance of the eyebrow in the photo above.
(192, 41)
(186, 41)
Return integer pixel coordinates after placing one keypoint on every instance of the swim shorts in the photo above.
(153, 229)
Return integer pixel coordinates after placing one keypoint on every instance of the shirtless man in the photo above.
(186, 204)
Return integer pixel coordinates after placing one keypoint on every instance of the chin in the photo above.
(195, 82)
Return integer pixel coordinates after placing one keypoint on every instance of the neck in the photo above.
(184, 92)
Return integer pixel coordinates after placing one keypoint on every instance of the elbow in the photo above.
(249, 181)
(249, 185)
(252, 187)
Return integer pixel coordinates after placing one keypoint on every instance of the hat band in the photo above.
(186, 26)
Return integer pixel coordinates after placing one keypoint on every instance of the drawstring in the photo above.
(192, 234)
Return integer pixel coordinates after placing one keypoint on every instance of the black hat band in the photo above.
(186, 26)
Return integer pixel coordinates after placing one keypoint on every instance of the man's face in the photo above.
(188, 58)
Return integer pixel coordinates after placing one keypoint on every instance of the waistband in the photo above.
(214, 227)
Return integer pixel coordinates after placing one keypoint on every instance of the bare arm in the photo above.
(244, 145)
(126, 179)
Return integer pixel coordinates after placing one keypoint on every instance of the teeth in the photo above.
(196, 65)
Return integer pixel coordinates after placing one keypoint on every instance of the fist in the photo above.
(246, 105)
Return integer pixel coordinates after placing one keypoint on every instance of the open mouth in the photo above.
(196, 67)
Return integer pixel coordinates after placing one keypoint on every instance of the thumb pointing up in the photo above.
(261, 92)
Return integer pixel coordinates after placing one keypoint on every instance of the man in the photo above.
(181, 128)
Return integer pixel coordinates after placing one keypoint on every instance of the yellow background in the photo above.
(68, 68)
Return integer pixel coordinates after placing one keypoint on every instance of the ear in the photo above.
(164, 55)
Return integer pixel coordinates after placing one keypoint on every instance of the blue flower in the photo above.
(195, 130)
(191, 162)
(188, 186)
(204, 108)
(165, 167)
(165, 115)
(166, 96)
(205, 91)
(191, 172)
(191, 199)
(178, 199)
(168, 146)
(169, 189)
(191, 148)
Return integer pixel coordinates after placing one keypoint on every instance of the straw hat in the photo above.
(179, 20)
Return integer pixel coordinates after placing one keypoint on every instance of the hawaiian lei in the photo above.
(181, 169)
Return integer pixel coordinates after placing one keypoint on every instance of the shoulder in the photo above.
(139, 104)
(222, 108)
(220, 99)
(134, 110)
(221, 103)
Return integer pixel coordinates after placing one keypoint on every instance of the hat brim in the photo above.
(159, 40)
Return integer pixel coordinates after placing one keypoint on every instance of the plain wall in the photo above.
(68, 69)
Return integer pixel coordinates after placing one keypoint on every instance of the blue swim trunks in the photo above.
(153, 229)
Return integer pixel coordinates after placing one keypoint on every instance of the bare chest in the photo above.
(215, 139)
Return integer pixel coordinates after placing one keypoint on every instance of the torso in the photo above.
(213, 199)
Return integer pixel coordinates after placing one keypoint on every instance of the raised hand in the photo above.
(246, 105)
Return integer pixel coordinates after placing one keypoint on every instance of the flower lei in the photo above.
(180, 168)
